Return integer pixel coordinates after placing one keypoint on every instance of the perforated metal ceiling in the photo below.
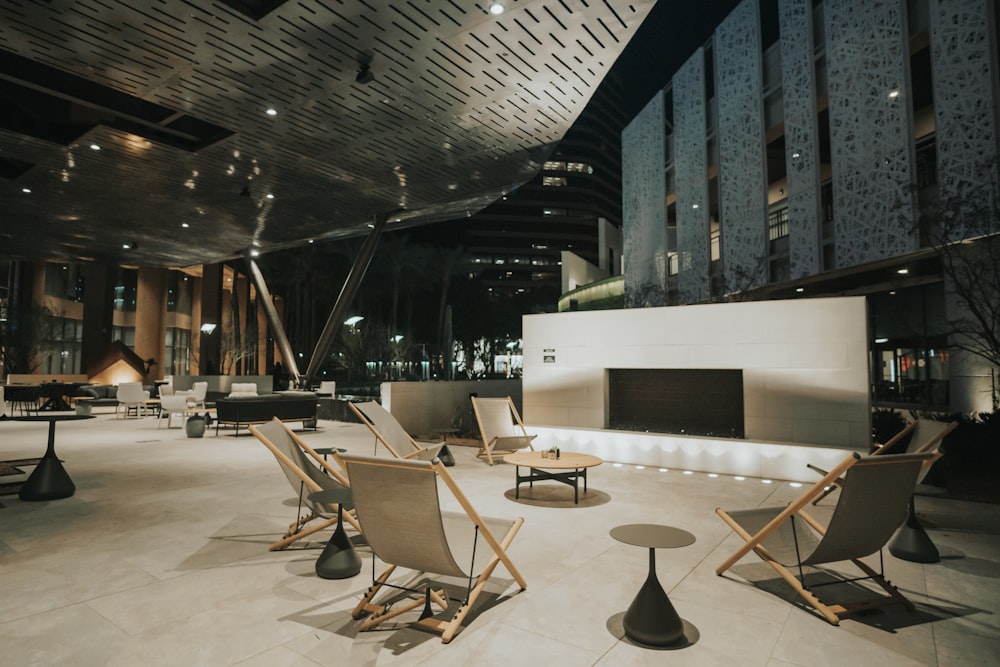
(463, 107)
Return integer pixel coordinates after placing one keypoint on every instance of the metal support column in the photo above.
(277, 329)
(347, 294)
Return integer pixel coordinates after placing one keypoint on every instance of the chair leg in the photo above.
(298, 535)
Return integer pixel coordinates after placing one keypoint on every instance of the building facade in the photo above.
(822, 148)
(201, 320)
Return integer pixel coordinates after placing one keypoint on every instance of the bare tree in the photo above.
(964, 229)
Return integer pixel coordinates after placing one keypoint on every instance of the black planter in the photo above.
(195, 426)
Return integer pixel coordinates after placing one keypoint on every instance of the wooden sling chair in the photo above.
(390, 433)
(307, 472)
(927, 435)
(406, 528)
(500, 427)
(871, 506)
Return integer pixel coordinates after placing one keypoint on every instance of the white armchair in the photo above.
(171, 405)
(243, 389)
(133, 397)
(195, 395)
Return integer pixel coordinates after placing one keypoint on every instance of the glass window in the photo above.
(777, 223)
(554, 181)
(177, 352)
(125, 290)
(61, 346)
(64, 281)
(179, 290)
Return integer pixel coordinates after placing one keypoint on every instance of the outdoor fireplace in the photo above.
(691, 401)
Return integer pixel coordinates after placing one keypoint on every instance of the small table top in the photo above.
(652, 536)
(566, 460)
(59, 417)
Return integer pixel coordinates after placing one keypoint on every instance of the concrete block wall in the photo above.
(804, 363)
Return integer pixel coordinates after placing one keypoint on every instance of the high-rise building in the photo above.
(516, 243)
(816, 148)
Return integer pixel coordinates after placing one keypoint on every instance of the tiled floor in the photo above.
(161, 559)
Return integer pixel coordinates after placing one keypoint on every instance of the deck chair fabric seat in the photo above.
(307, 472)
(925, 435)
(397, 500)
(872, 504)
(391, 434)
(500, 427)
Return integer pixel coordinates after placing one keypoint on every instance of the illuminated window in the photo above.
(554, 181)
(554, 211)
(579, 167)
(552, 165)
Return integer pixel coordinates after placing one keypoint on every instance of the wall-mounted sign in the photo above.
(549, 355)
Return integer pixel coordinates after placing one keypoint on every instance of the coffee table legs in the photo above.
(49, 480)
(339, 560)
(651, 618)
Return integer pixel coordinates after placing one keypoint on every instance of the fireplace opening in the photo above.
(689, 401)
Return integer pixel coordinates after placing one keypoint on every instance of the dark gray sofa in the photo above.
(101, 394)
(292, 406)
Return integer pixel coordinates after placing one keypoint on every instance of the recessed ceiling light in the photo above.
(185, 225)
(312, 241)
(902, 272)
(496, 8)
(95, 147)
(796, 154)
(26, 191)
(694, 206)
(893, 94)
(271, 112)
(269, 195)
(800, 289)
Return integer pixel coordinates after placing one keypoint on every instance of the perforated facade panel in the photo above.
(870, 129)
(644, 214)
(802, 158)
(691, 166)
(743, 182)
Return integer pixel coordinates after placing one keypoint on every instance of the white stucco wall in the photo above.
(804, 362)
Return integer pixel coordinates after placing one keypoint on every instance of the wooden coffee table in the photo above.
(570, 467)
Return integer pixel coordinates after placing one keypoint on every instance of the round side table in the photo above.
(651, 618)
(49, 480)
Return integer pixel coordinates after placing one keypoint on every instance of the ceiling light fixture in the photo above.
(496, 8)
(95, 147)
(271, 112)
(902, 272)
(364, 75)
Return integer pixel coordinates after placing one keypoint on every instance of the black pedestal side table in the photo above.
(339, 560)
(49, 480)
(651, 618)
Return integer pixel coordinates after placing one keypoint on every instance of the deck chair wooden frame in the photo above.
(928, 434)
(397, 501)
(872, 505)
(391, 434)
(306, 475)
(500, 427)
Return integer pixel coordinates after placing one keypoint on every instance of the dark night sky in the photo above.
(665, 40)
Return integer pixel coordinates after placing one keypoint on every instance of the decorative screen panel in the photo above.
(743, 182)
(870, 133)
(964, 84)
(691, 167)
(644, 213)
(798, 82)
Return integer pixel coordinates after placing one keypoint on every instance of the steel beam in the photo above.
(347, 294)
(277, 328)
